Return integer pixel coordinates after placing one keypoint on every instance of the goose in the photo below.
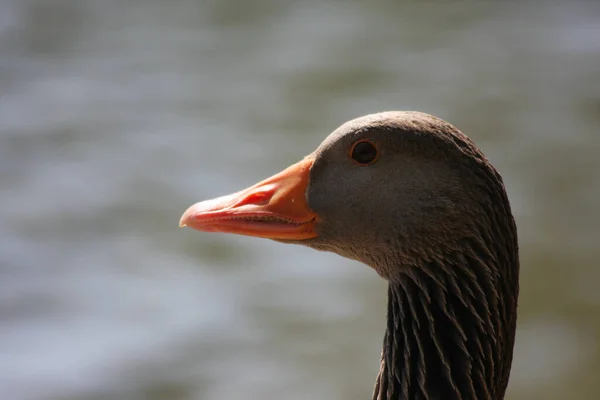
(412, 197)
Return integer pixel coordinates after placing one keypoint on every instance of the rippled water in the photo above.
(116, 115)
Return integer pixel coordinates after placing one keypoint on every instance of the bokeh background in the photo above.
(115, 115)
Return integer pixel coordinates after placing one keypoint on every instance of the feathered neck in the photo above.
(450, 328)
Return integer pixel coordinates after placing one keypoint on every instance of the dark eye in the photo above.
(364, 152)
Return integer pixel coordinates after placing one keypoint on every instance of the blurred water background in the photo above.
(115, 115)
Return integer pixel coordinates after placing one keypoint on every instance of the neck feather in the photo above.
(450, 329)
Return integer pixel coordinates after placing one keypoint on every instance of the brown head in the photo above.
(411, 196)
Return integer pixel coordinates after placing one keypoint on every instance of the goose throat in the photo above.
(448, 335)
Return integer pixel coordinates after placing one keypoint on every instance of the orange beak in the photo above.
(275, 208)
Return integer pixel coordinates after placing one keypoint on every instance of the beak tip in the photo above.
(183, 221)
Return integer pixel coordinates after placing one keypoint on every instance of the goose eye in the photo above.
(364, 152)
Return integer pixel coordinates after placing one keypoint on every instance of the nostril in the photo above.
(256, 198)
